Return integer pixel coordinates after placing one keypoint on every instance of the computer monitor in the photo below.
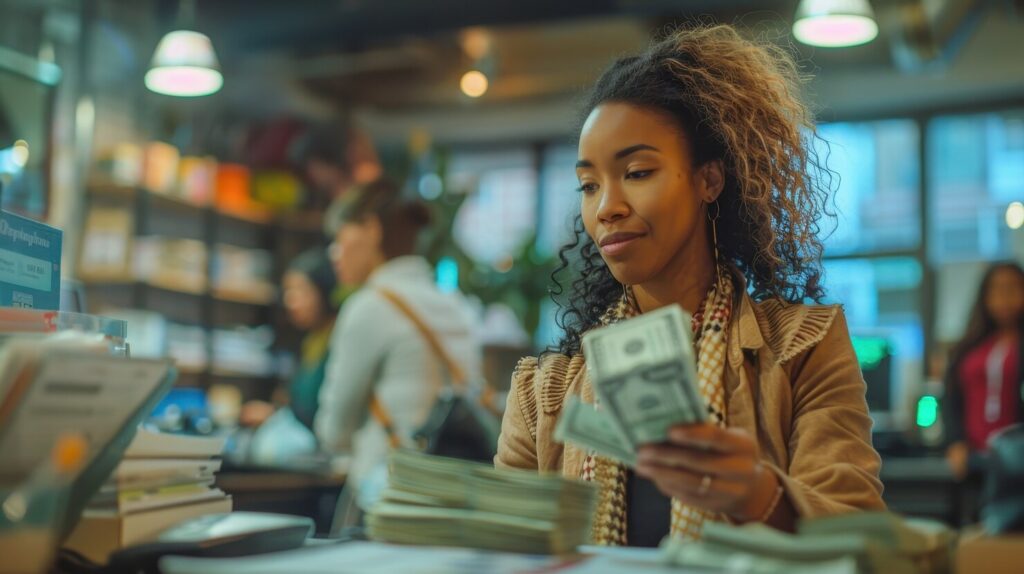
(874, 354)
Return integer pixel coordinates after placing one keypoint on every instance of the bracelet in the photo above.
(779, 491)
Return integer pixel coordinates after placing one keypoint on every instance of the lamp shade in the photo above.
(184, 64)
(835, 23)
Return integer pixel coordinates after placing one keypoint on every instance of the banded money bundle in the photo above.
(858, 543)
(644, 374)
(439, 501)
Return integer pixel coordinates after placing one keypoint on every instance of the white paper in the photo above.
(379, 558)
(154, 444)
(91, 395)
(364, 558)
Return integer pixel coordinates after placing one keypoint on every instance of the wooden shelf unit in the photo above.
(284, 235)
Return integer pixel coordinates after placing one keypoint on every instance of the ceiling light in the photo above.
(184, 65)
(1015, 215)
(835, 23)
(474, 83)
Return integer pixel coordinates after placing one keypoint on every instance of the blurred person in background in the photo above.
(331, 158)
(383, 377)
(308, 293)
(700, 187)
(985, 377)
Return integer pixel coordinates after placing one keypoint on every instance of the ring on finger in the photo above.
(705, 485)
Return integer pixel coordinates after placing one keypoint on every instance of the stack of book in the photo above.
(163, 480)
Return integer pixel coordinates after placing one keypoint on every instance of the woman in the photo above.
(985, 379)
(308, 289)
(382, 377)
(700, 188)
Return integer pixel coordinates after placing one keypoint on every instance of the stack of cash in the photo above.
(643, 371)
(859, 543)
(447, 502)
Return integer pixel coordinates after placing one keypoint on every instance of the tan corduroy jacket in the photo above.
(791, 380)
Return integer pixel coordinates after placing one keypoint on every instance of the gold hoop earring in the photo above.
(714, 237)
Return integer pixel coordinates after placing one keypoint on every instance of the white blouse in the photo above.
(375, 349)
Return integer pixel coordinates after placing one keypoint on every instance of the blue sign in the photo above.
(30, 255)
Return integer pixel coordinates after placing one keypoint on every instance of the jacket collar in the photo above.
(745, 323)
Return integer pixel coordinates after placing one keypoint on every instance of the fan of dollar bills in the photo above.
(447, 502)
(644, 374)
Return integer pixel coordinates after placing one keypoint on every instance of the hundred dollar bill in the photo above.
(588, 427)
(643, 370)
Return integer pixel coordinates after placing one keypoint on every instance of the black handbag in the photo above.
(460, 423)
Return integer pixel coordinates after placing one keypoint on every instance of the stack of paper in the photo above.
(163, 479)
(446, 502)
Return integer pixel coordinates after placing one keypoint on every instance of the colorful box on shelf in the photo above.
(160, 171)
(277, 189)
(126, 163)
(243, 274)
(30, 257)
(234, 194)
(233, 187)
(171, 263)
(197, 179)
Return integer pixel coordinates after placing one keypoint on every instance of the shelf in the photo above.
(228, 374)
(194, 371)
(123, 280)
(99, 188)
(175, 287)
(221, 295)
(113, 190)
(105, 279)
(191, 371)
(243, 297)
(303, 221)
(255, 215)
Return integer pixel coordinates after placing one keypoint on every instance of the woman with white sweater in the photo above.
(383, 377)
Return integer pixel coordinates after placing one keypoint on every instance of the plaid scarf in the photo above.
(710, 328)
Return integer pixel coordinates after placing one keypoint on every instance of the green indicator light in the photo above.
(927, 411)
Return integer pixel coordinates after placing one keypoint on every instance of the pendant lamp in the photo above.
(184, 63)
(835, 23)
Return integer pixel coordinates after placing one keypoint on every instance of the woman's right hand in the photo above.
(956, 457)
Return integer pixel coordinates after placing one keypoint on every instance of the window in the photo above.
(976, 169)
(878, 187)
(882, 299)
(500, 214)
(559, 205)
(879, 214)
(560, 200)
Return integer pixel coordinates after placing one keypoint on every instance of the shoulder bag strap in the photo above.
(458, 376)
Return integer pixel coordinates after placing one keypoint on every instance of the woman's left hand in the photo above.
(709, 467)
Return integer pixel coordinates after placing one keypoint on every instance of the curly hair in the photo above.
(736, 101)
